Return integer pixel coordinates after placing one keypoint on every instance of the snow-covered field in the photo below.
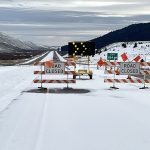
(100, 120)
(142, 49)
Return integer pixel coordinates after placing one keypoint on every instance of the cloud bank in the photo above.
(56, 22)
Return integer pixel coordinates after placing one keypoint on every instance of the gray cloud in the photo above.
(46, 23)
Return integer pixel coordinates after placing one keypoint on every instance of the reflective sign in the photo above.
(58, 68)
(112, 56)
(129, 68)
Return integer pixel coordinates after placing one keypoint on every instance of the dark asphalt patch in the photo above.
(59, 91)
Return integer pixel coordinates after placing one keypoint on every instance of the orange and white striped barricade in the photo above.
(111, 64)
(53, 81)
(69, 72)
(110, 71)
(70, 63)
(117, 72)
(43, 72)
(145, 64)
(66, 72)
(126, 80)
(70, 59)
(39, 63)
(143, 71)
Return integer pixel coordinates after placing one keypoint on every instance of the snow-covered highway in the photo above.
(99, 120)
(73, 121)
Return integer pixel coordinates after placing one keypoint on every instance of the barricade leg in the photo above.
(144, 86)
(114, 87)
(42, 88)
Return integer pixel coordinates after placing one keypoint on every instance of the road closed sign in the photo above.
(57, 68)
(129, 68)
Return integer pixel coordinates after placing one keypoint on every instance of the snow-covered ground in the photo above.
(13, 80)
(102, 119)
(142, 49)
(34, 58)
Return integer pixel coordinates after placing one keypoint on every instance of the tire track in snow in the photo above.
(42, 122)
(26, 132)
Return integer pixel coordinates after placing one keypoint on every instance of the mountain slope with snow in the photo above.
(134, 32)
(9, 44)
(12, 43)
(132, 49)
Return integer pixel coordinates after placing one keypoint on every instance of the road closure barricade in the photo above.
(56, 68)
(139, 71)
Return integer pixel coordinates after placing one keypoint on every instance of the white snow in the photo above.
(142, 49)
(60, 57)
(13, 81)
(15, 43)
(100, 120)
(34, 58)
(50, 57)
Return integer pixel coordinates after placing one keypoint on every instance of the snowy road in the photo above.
(99, 120)
(34, 59)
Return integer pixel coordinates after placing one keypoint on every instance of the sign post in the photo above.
(114, 57)
(144, 87)
(41, 78)
(114, 87)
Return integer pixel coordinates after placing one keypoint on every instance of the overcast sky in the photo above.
(56, 22)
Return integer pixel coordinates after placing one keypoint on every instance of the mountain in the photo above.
(14, 49)
(135, 32)
(9, 44)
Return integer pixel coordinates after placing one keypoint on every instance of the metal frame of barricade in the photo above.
(143, 72)
(42, 72)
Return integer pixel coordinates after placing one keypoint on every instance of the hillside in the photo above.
(132, 49)
(135, 32)
(9, 44)
(14, 49)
